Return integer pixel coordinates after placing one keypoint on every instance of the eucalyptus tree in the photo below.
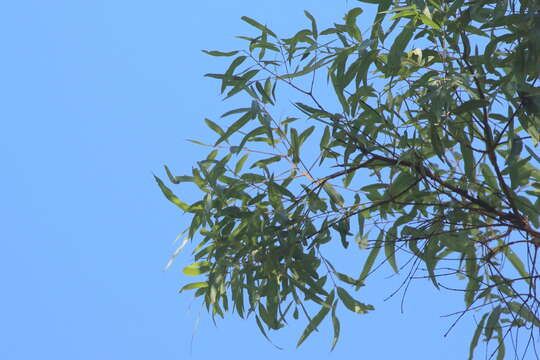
(416, 138)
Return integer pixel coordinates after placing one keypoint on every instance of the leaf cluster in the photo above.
(429, 139)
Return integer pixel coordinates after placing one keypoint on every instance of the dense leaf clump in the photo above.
(417, 138)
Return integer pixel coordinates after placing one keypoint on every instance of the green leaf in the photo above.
(177, 179)
(220, 53)
(470, 105)
(336, 325)
(371, 258)
(307, 69)
(351, 303)
(295, 146)
(325, 139)
(349, 280)
(429, 22)
(468, 158)
(436, 141)
(398, 47)
(501, 349)
(430, 257)
(237, 125)
(315, 321)
(489, 177)
(517, 147)
(351, 16)
(305, 134)
(350, 20)
(411, 12)
(314, 31)
(241, 83)
(258, 26)
(240, 163)
(473, 283)
(170, 195)
(533, 153)
(492, 322)
(403, 181)
(236, 111)
(517, 263)
(261, 328)
(524, 312)
(334, 195)
(390, 251)
(230, 70)
(476, 336)
(197, 268)
(212, 125)
(194, 285)
(264, 162)
(253, 178)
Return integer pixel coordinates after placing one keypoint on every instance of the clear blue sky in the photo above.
(94, 97)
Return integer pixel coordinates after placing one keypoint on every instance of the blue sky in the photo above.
(95, 97)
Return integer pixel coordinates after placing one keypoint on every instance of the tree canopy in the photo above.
(415, 138)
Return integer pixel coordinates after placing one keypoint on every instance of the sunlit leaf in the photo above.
(352, 304)
(197, 268)
(313, 324)
(170, 195)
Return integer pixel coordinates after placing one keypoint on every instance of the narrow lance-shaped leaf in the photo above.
(470, 106)
(501, 350)
(220, 53)
(390, 250)
(398, 47)
(261, 328)
(314, 30)
(258, 25)
(212, 125)
(523, 311)
(492, 322)
(334, 195)
(313, 324)
(489, 177)
(194, 285)
(336, 325)
(436, 141)
(308, 69)
(240, 164)
(170, 195)
(371, 257)
(197, 268)
(468, 158)
(476, 336)
(517, 263)
(352, 304)
(427, 19)
(237, 125)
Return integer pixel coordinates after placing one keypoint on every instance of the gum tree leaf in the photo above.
(194, 285)
(258, 25)
(351, 303)
(476, 336)
(197, 268)
(170, 195)
(313, 324)
(371, 258)
(398, 47)
(336, 325)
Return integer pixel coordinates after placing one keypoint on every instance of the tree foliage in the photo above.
(416, 138)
